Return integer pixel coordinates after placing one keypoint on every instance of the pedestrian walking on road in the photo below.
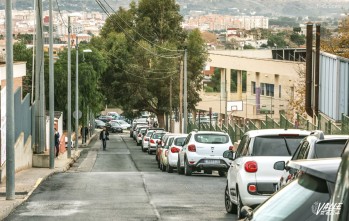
(57, 139)
(104, 136)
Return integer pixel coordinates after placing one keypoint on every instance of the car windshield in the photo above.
(306, 192)
(179, 141)
(122, 122)
(115, 124)
(276, 145)
(211, 138)
(329, 149)
(149, 134)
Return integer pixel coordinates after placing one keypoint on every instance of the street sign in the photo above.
(79, 114)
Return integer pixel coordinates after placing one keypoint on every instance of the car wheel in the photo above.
(239, 204)
(169, 169)
(179, 169)
(221, 173)
(187, 169)
(230, 207)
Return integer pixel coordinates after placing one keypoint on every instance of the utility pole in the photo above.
(185, 92)
(69, 91)
(39, 77)
(10, 119)
(171, 105)
(51, 93)
(77, 98)
(181, 99)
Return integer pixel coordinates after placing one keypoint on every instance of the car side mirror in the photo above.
(246, 212)
(229, 154)
(279, 165)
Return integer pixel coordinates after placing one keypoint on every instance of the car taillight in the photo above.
(251, 166)
(152, 141)
(166, 153)
(231, 147)
(174, 149)
(192, 148)
(139, 135)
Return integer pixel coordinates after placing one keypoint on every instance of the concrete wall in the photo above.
(23, 156)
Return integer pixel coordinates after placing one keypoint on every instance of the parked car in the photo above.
(140, 133)
(133, 128)
(153, 142)
(105, 119)
(113, 127)
(160, 146)
(72, 143)
(124, 124)
(316, 145)
(203, 150)
(169, 156)
(251, 177)
(164, 153)
(99, 123)
(302, 199)
(146, 138)
(340, 196)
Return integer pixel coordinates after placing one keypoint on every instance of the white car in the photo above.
(169, 156)
(123, 124)
(251, 177)
(203, 150)
(153, 142)
(140, 135)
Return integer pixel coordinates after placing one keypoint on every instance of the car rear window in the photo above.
(276, 145)
(179, 141)
(328, 149)
(158, 135)
(211, 138)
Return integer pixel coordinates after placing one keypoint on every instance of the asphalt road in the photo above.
(124, 183)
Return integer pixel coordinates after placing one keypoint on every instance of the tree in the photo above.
(339, 44)
(277, 40)
(21, 53)
(144, 50)
(296, 101)
(297, 38)
(90, 72)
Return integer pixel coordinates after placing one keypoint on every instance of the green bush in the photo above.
(208, 89)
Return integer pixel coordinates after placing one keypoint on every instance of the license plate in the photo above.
(212, 161)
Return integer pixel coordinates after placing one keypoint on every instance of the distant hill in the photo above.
(232, 7)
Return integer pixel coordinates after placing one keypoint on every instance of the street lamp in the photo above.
(83, 134)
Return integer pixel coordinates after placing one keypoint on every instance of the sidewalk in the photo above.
(26, 181)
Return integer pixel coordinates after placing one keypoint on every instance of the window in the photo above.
(267, 89)
(253, 87)
(275, 145)
(211, 138)
(262, 89)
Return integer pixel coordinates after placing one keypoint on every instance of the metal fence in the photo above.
(236, 131)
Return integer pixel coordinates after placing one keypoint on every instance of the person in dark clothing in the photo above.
(57, 139)
(104, 136)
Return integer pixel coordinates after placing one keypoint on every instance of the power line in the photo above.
(149, 71)
(152, 43)
(59, 11)
(125, 32)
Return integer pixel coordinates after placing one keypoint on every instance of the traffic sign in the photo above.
(79, 114)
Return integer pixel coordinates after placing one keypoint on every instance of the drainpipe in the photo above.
(317, 70)
(308, 70)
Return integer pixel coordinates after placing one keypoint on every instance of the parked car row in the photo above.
(198, 151)
(280, 174)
